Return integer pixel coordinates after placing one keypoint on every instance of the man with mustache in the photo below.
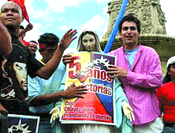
(138, 68)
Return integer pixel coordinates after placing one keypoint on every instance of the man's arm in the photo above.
(28, 28)
(47, 70)
(71, 92)
(151, 79)
(5, 41)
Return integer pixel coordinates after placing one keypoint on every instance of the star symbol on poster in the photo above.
(96, 62)
(103, 60)
(10, 129)
(25, 130)
(20, 126)
(91, 64)
(107, 64)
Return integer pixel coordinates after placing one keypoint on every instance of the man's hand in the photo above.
(67, 59)
(29, 27)
(128, 111)
(68, 37)
(117, 71)
(74, 91)
(55, 114)
(3, 111)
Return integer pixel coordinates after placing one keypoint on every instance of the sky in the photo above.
(62, 15)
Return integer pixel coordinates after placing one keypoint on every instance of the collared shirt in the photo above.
(142, 80)
(39, 86)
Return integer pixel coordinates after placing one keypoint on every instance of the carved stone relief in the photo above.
(148, 11)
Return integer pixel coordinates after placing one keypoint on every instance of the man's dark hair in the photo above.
(49, 39)
(21, 27)
(130, 18)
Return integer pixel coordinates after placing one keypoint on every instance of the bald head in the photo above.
(11, 2)
(11, 14)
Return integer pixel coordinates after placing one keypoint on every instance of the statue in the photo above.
(89, 41)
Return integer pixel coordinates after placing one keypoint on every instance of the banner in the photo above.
(23, 123)
(89, 68)
(22, 5)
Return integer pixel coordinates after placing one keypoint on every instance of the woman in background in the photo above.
(166, 96)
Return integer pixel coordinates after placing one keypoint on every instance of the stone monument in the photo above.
(153, 30)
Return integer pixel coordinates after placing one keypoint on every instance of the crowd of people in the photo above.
(145, 100)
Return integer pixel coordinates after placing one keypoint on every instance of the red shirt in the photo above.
(166, 96)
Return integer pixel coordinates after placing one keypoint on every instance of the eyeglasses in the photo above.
(132, 28)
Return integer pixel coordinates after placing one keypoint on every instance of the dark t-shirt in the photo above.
(13, 72)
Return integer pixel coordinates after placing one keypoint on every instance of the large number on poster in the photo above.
(89, 68)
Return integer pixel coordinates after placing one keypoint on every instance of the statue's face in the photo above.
(88, 41)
